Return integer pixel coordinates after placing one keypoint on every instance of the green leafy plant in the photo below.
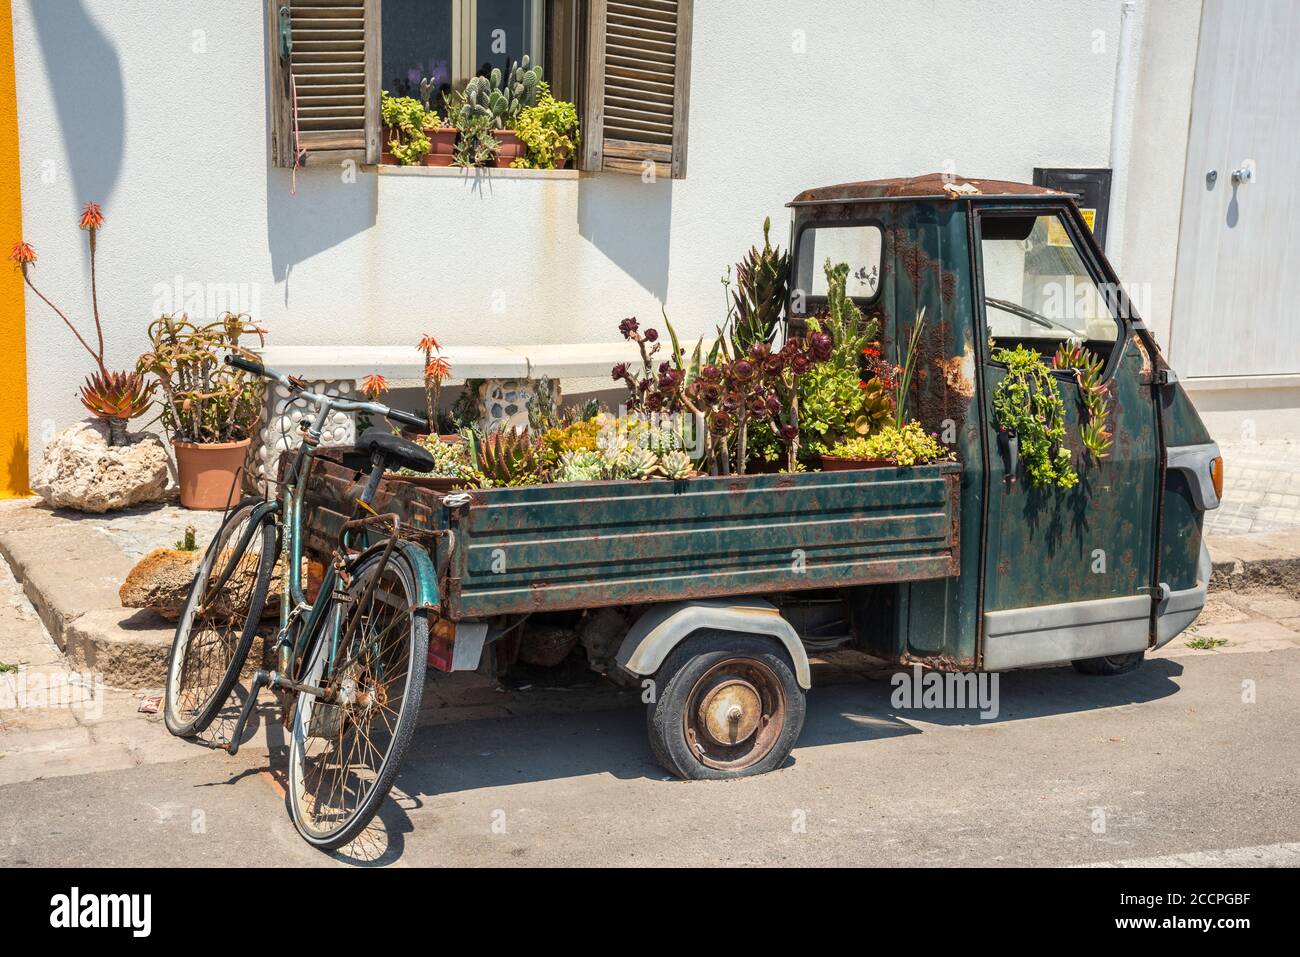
(1205, 643)
(450, 459)
(1087, 368)
(405, 117)
(1027, 405)
(475, 146)
(905, 445)
(907, 370)
(203, 399)
(549, 130)
(188, 542)
(833, 403)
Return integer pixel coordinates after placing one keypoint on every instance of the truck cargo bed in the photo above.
(588, 544)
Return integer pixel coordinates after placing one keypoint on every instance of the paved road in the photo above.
(1167, 761)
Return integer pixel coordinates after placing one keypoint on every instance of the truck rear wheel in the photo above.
(1109, 664)
(725, 706)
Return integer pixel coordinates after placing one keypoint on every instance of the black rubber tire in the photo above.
(692, 660)
(1108, 665)
(401, 737)
(263, 538)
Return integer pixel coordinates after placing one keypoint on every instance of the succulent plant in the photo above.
(1087, 369)
(676, 465)
(506, 457)
(640, 462)
(877, 409)
(488, 97)
(581, 466)
(117, 397)
(759, 296)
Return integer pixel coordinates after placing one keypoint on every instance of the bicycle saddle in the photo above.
(396, 450)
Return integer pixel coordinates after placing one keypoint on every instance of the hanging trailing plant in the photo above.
(1027, 405)
(1072, 356)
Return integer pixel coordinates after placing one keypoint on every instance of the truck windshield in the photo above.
(1037, 287)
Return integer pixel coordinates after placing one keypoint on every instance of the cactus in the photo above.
(506, 457)
(490, 97)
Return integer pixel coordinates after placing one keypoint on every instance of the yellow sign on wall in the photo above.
(13, 316)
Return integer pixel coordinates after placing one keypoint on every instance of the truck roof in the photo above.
(926, 186)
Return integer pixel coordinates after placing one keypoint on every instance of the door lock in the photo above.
(1211, 178)
(1245, 173)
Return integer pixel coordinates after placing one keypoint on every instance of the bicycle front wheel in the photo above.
(219, 619)
(345, 751)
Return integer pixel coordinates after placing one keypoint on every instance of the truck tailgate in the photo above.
(581, 545)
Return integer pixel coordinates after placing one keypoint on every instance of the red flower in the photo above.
(437, 369)
(428, 344)
(92, 217)
(22, 253)
(373, 386)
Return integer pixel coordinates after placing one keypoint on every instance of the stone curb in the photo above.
(1269, 559)
(71, 576)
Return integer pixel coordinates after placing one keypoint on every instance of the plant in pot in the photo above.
(442, 140)
(499, 99)
(209, 409)
(549, 131)
(111, 396)
(404, 137)
(892, 446)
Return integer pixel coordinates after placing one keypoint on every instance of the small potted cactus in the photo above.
(487, 96)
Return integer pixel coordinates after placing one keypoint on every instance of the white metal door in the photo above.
(1238, 281)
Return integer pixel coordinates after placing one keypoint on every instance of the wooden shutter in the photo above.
(638, 85)
(334, 71)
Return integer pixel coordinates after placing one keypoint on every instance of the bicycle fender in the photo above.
(426, 576)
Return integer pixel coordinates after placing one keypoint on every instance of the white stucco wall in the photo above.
(115, 105)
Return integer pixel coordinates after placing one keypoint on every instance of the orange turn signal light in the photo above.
(1216, 476)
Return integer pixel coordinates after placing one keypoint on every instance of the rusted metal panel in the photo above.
(591, 544)
(580, 545)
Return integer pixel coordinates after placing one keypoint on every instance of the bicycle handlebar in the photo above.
(411, 419)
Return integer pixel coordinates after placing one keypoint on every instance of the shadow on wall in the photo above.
(631, 223)
(85, 79)
(329, 207)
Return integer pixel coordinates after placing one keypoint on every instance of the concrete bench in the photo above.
(508, 371)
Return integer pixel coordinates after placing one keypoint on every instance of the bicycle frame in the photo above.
(302, 623)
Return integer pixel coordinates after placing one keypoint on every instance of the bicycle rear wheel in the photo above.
(219, 619)
(344, 754)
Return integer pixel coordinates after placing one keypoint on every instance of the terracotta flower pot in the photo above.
(442, 146)
(834, 463)
(208, 472)
(512, 147)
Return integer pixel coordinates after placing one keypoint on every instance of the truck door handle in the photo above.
(1009, 444)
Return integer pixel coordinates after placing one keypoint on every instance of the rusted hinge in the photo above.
(1159, 377)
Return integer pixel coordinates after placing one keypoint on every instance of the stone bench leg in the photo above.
(280, 428)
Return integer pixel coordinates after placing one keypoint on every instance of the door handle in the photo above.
(1009, 444)
(1245, 173)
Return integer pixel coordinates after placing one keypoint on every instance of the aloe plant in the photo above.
(506, 457)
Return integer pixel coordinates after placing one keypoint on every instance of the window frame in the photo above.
(1103, 278)
(810, 300)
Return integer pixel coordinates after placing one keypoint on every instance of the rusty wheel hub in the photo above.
(731, 712)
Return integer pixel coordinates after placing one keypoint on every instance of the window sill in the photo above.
(475, 173)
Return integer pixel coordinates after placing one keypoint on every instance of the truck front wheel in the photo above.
(725, 706)
(1109, 664)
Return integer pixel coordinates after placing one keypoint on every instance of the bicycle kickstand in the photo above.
(260, 680)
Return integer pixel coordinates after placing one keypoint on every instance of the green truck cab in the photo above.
(712, 593)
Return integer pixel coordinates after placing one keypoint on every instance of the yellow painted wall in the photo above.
(13, 317)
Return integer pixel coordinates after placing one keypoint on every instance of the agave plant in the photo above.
(759, 296)
(107, 395)
(117, 397)
(506, 457)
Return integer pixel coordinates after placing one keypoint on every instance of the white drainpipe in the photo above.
(1121, 127)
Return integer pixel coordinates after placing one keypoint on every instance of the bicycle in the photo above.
(350, 664)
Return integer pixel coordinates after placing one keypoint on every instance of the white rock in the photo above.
(80, 470)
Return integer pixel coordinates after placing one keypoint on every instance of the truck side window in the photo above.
(858, 245)
(1037, 290)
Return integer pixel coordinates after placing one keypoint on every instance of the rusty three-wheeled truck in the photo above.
(716, 588)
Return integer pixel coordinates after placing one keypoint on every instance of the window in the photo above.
(625, 63)
(448, 41)
(858, 245)
(1037, 287)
